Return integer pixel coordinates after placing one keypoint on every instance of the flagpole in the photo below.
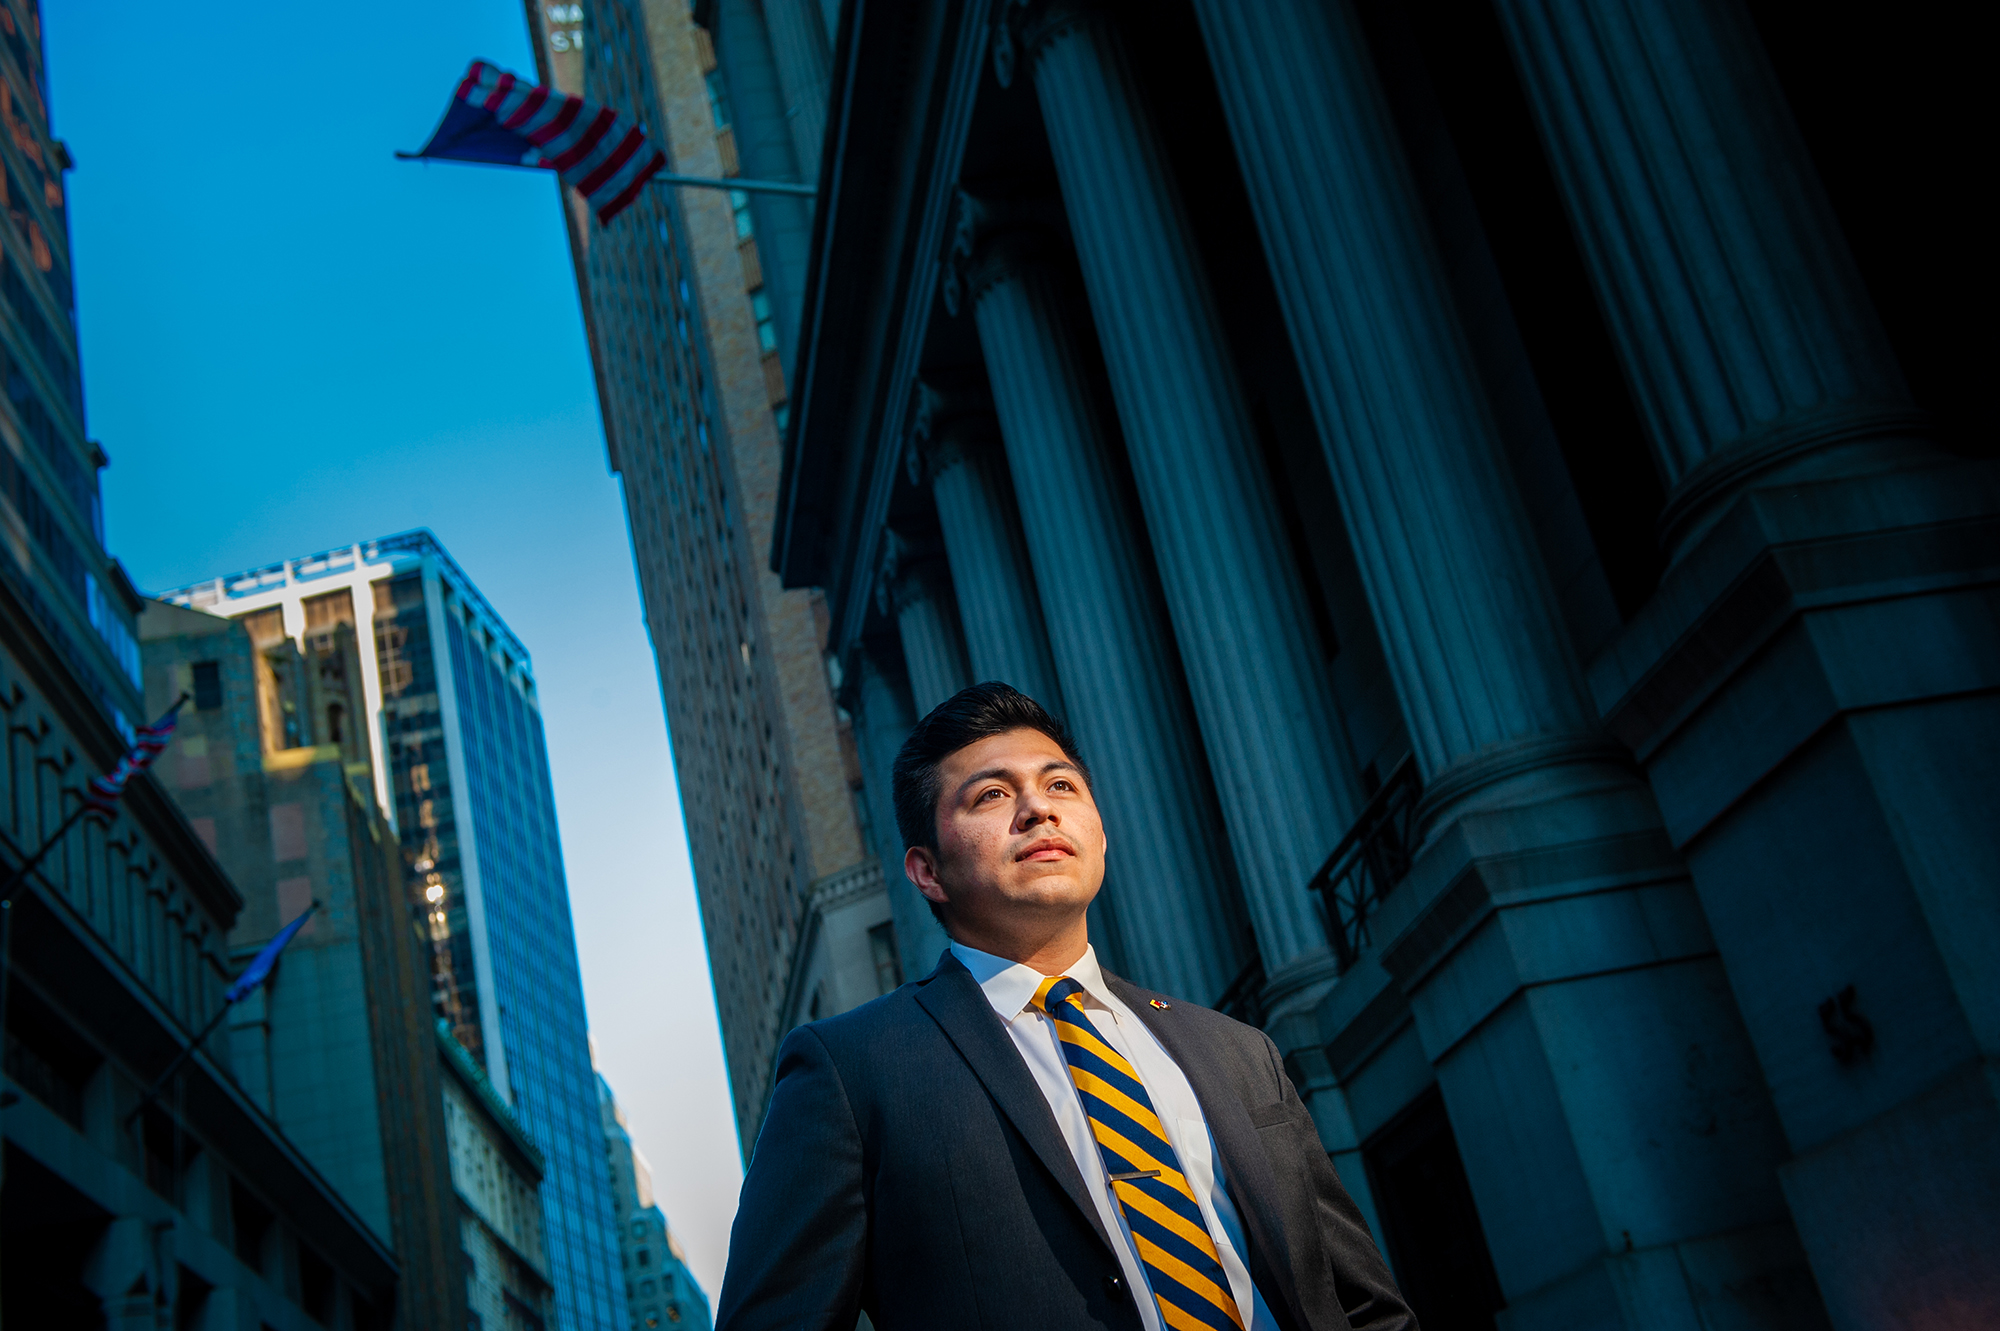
(28, 867)
(669, 178)
(180, 1060)
(253, 975)
(732, 182)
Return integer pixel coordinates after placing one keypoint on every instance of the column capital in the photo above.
(1023, 27)
(889, 559)
(1751, 345)
(990, 237)
(906, 574)
(951, 421)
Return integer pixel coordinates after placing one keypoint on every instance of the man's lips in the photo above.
(1047, 849)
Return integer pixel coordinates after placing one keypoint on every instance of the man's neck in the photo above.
(1049, 953)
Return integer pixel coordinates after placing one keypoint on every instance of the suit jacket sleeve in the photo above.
(798, 1249)
(1362, 1280)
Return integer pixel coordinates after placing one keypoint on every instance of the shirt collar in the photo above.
(1010, 986)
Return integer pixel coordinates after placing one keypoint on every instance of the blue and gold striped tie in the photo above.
(1174, 1243)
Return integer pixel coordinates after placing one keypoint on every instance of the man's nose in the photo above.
(1034, 808)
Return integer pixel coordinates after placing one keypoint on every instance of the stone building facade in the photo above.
(658, 1286)
(116, 955)
(1497, 492)
(684, 299)
(496, 1172)
(337, 1047)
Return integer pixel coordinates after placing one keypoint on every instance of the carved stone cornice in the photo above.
(844, 885)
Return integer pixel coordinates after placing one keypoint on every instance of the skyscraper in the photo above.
(456, 756)
(678, 300)
(661, 1291)
(76, 592)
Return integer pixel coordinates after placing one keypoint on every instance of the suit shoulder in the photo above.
(1214, 1024)
(877, 1019)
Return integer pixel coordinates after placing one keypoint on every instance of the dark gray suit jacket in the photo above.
(910, 1166)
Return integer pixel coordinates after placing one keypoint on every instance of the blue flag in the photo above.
(260, 965)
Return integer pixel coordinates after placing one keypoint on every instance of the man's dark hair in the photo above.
(968, 716)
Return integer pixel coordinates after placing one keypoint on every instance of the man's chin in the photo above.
(1061, 888)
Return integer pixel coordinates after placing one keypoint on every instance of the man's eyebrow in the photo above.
(988, 773)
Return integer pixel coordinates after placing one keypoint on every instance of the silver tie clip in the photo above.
(1137, 1173)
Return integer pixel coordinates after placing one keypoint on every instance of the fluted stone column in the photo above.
(804, 56)
(1174, 892)
(918, 593)
(882, 721)
(1246, 632)
(1752, 348)
(1475, 640)
(1758, 361)
(997, 604)
(1512, 1016)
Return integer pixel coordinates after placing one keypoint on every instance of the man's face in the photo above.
(1020, 842)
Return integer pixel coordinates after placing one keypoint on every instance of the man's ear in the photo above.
(920, 866)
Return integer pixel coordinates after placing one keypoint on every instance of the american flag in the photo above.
(148, 742)
(497, 118)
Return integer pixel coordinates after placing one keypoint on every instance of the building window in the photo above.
(108, 618)
(718, 99)
(207, 685)
(767, 332)
(888, 969)
(739, 204)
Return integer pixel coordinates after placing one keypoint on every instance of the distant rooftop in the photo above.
(216, 593)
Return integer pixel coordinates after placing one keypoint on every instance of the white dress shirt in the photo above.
(1010, 988)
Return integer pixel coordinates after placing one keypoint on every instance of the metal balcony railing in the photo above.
(1369, 861)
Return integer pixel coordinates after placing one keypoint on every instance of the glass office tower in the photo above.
(460, 765)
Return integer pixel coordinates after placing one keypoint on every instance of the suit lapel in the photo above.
(956, 1002)
(1246, 1169)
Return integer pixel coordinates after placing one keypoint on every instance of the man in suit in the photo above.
(1022, 1139)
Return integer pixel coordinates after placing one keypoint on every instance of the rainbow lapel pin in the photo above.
(1162, 1004)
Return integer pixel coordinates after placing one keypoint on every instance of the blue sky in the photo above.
(292, 341)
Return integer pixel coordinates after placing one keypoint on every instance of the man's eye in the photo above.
(1060, 784)
(985, 795)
